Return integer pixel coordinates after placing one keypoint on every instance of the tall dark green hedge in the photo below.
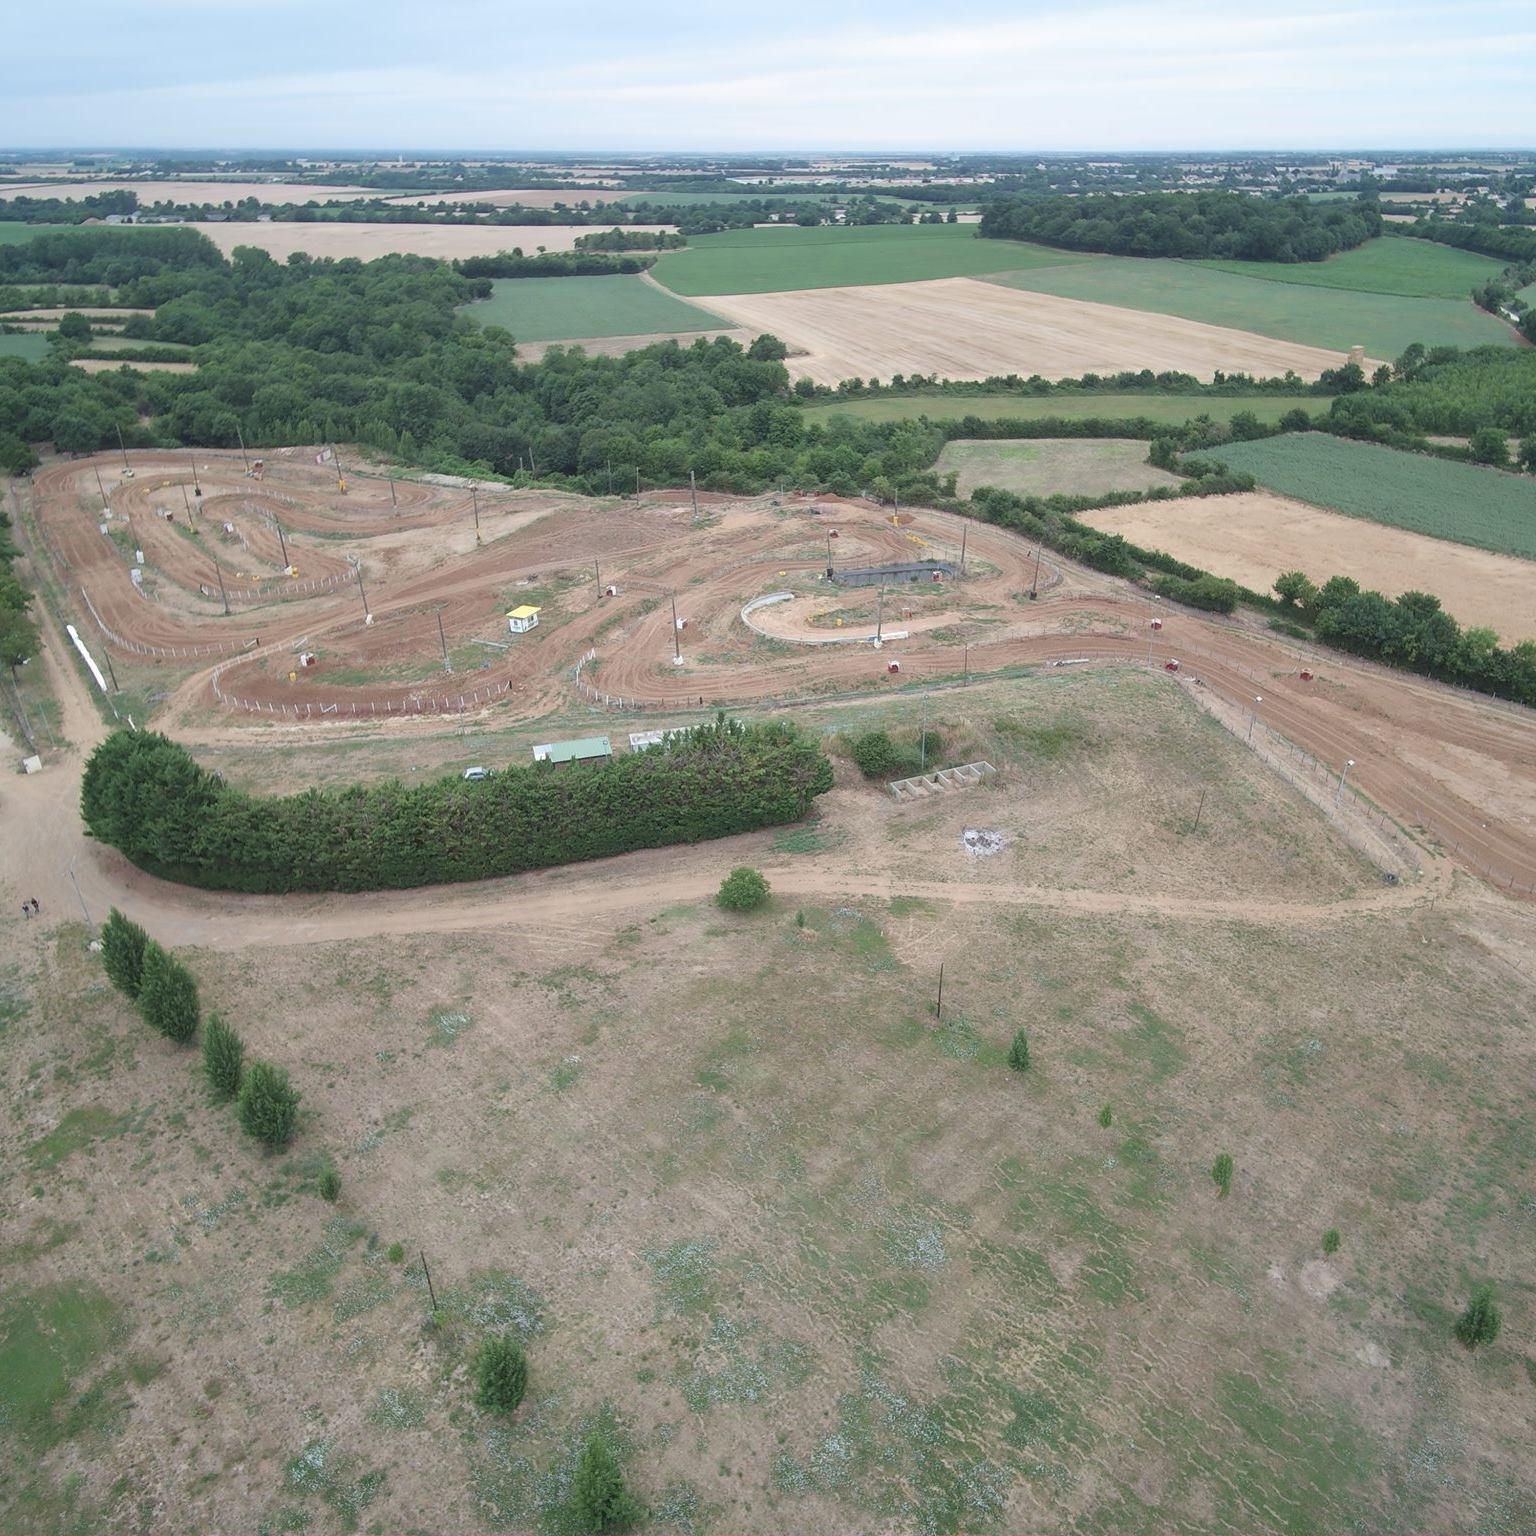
(145, 795)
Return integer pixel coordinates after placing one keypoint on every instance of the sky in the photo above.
(1067, 75)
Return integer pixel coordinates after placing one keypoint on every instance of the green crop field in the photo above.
(1384, 324)
(31, 345)
(1408, 268)
(1173, 409)
(831, 256)
(1486, 508)
(13, 233)
(573, 308)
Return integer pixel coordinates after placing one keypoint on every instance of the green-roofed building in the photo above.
(585, 749)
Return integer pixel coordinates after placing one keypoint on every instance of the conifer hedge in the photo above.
(148, 798)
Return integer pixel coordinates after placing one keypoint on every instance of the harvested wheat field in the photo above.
(107, 364)
(444, 241)
(964, 329)
(1252, 538)
(616, 346)
(516, 197)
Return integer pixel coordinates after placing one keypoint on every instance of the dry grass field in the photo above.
(523, 197)
(1252, 538)
(1041, 466)
(961, 328)
(813, 1259)
(365, 241)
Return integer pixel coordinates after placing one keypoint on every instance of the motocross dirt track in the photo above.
(1460, 768)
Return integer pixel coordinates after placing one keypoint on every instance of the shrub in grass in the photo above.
(268, 1105)
(743, 890)
(1481, 1322)
(1106, 1117)
(223, 1058)
(329, 1185)
(397, 1253)
(1331, 1241)
(501, 1373)
(877, 756)
(1221, 1172)
(167, 994)
(599, 1499)
(122, 953)
(1018, 1052)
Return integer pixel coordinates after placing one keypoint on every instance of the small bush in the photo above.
(1331, 1241)
(878, 757)
(501, 1373)
(122, 953)
(330, 1185)
(268, 1105)
(223, 1058)
(397, 1253)
(1481, 1322)
(1106, 1117)
(1018, 1052)
(599, 1499)
(1221, 1172)
(167, 994)
(743, 890)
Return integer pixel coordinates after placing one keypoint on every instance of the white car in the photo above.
(474, 775)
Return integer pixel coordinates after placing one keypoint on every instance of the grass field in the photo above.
(565, 308)
(1384, 324)
(1393, 265)
(1042, 466)
(1486, 508)
(13, 233)
(784, 260)
(1173, 409)
(31, 345)
(813, 1260)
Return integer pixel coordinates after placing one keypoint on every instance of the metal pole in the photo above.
(1198, 809)
(186, 501)
(392, 500)
(967, 664)
(282, 543)
(241, 435)
(922, 740)
(938, 1007)
(1350, 763)
(428, 1273)
(442, 641)
(637, 479)
(677, 650)
(78, 897)
(222, 593)
(880, 614)
(474, 496)
(597, 577)
(1253, 715)
(693, 492)
(100, 487)
(829, 554)
(964, 534)
(608, 465)
(197, 487)
(120, 446)
(362, 593)
(106, 656)
(1035, 585)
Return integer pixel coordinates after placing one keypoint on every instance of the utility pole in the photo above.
(829, 554)
(442, 640)
(362, 593)
(609, 467)
(474, 496)
(1035, 585)
(122, 449)
(693, 493)
(197, 487)
(186, 501)
(78, 897)
(1342, 777)
(967, 664)
(597, 577)
(245, 461)
(106, 656)
(880, 616)
(637, 479)
(282, 543)
(922, 740)
(1198, 809)
(1253, 715)
(938, 1007)
(964, 531)
(105, 507)
(222, 593)
(393, 503)
(428, 1273)
(677, 650)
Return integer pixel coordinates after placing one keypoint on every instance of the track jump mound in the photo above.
(901, 570)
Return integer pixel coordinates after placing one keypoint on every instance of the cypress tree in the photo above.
(268, 1105)
(501, 1373)
(223, 1057)
(122, 953)
(1018, 1052)
(168, 995)
(599, 1498)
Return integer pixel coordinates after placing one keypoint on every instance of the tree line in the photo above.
(147, 797)
(1227, 225)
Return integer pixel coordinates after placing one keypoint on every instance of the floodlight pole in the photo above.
(105, 505)
(1198, 809)
(964, 531)
(392, 501)
(1253, 715)
(1034, 587)
(1349, 763)
(282, 543)
(222, 593)
(922, 740)
(362, 592)
(106, 656)
(938, 1007)
(186, 501)
(967, 664)
(608, 465)
(442, 640)
(474, 496)
(829, 553)
(597, 577)
(122, 448)
(880, 615)
(197, 486)
(693, 492)
(243, 459)
(85, 911)
(428, 1273)
(677, 650)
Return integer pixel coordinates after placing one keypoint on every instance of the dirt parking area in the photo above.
(1255, 536)
(961, 328)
